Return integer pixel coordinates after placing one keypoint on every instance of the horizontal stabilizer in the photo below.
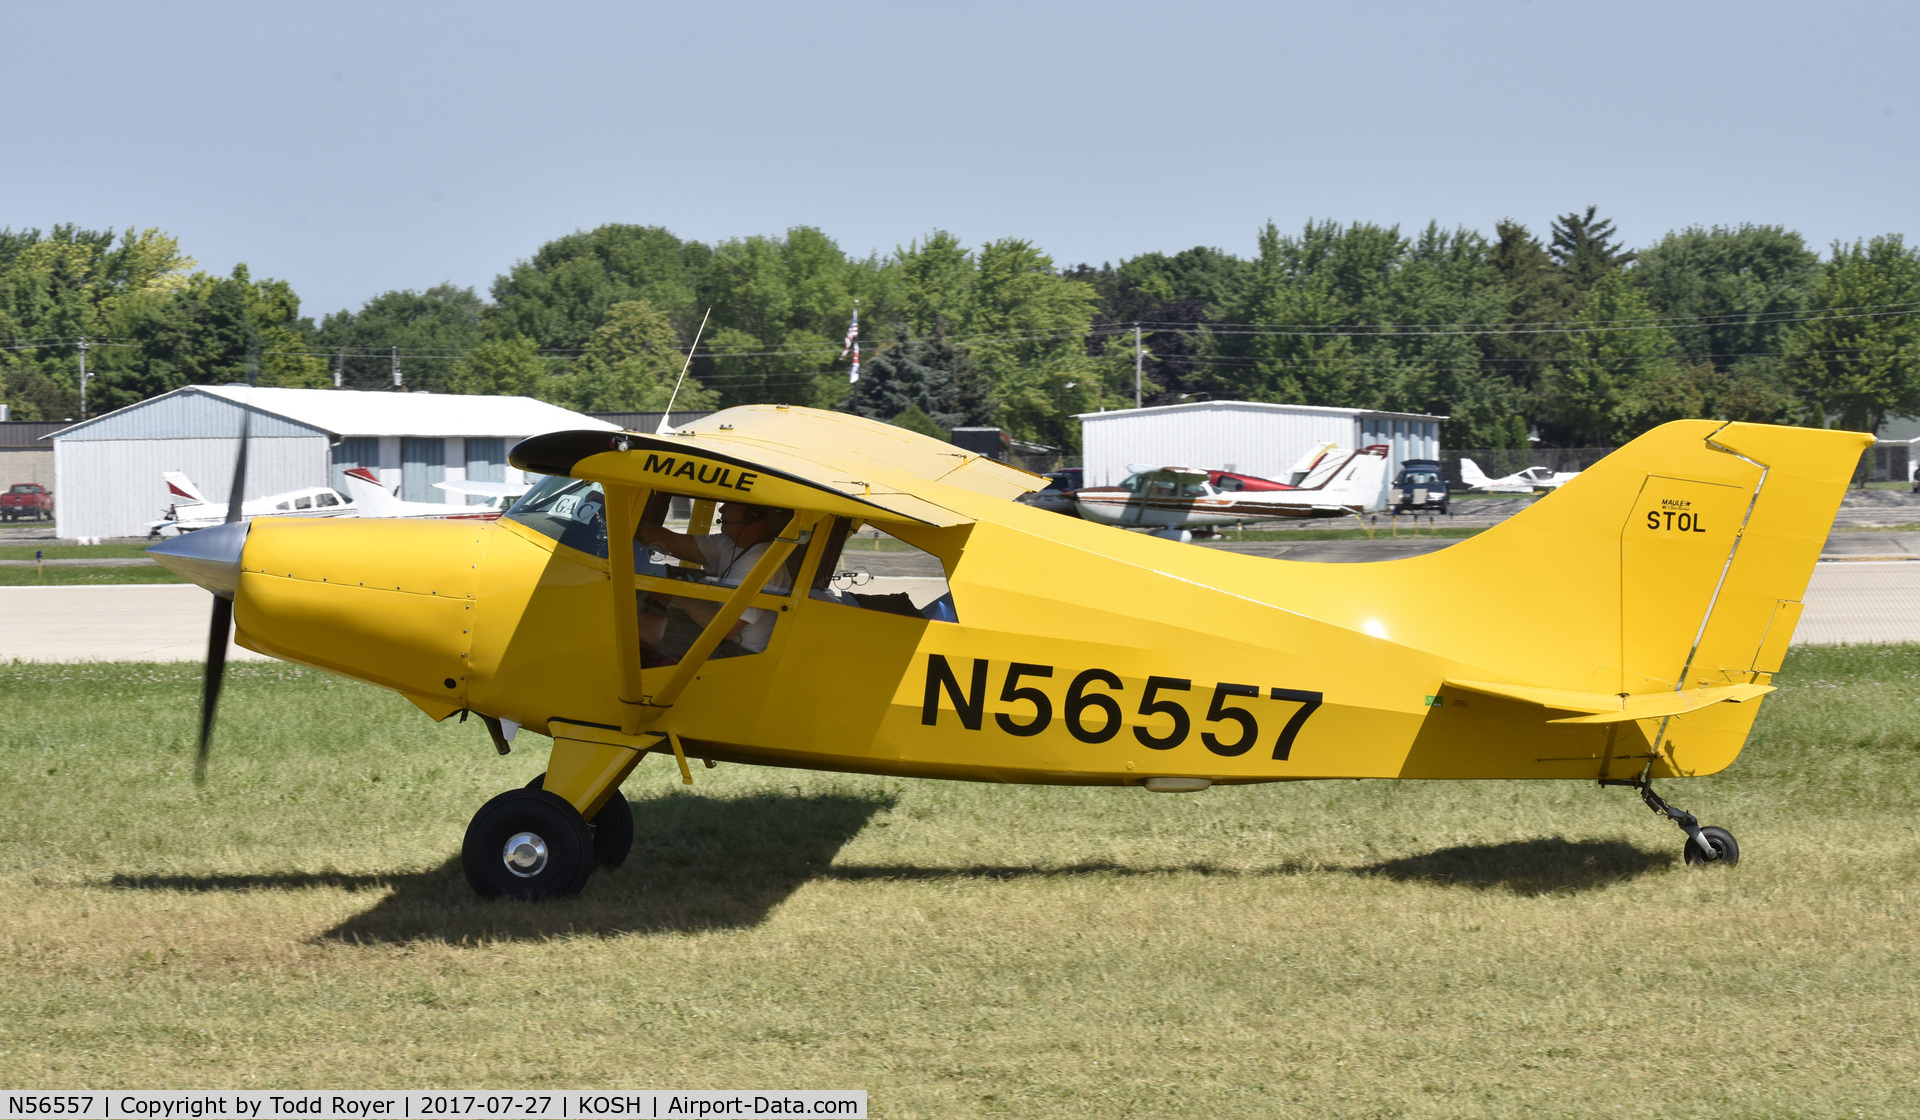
(1602, 708)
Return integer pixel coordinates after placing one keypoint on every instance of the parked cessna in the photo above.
(375, 500)
(1173, 501)
(193, 510)
(1520, 482)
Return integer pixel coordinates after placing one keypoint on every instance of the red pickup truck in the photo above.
(24, 500)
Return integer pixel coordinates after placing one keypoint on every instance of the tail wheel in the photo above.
(527, 844)
(1720, 840)
(612, 828)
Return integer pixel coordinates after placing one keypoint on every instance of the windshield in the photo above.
(567, 509)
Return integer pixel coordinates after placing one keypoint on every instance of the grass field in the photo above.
(50, 577)
(53, 551)
(1320, 949)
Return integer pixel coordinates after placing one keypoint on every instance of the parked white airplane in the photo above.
(1520, 482)
(1173, 500)
(191, 510)
(375, 500)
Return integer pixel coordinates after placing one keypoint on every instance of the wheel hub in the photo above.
(525, 854)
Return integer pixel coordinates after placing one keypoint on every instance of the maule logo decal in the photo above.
(707, 474)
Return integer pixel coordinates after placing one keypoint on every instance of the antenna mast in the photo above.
(667, 416)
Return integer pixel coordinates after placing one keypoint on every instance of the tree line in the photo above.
(1569, 336)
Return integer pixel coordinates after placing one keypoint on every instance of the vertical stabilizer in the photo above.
(371, 498)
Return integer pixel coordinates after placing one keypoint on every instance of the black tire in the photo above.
(612, 828)
(559, 855)
(1722, 842)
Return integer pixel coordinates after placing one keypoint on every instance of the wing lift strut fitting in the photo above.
(1687, 822)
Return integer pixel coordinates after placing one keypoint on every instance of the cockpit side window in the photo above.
(869, 568)
(686, 569)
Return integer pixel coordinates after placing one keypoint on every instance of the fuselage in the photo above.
(1084, 655)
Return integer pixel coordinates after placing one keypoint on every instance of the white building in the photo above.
(107, 470)
(1244, 436)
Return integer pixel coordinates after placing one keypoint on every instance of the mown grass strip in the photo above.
(1440, 949)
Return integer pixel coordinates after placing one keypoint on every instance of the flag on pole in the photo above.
(853, 344)
(853, 332)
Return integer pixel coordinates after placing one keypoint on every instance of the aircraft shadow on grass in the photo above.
(1547, 865)
(697, 864)
(705, 864)
(1526, 867)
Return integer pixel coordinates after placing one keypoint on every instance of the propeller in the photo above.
(222, 623)
(223, 619)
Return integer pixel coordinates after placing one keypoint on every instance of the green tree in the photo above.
(1621, 379)
(508, 367)
(68, 283)
(432, 329)
(1853, 363)
(1363, 317)
(1539, 300)
(1027, 326)
(210, 331)
(1169, 295)
(1728, 290)
(933, 284)
(913, 419)
(932, 375)
(631, 364)
(780, 307)
(1585, 249)
(563, 294)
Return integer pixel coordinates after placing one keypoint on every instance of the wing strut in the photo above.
(638, 717)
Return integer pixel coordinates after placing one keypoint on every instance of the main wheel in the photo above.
(612, 827)
(527, 844)
(1722, 842)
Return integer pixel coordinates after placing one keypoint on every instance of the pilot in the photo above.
(725, 558)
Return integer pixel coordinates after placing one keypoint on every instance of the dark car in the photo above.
(1058, 494)
(1419, 487)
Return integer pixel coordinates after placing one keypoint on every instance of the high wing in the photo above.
(774, 455)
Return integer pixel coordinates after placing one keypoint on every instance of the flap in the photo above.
(1604, 708)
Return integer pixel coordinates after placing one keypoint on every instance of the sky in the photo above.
(355, 148)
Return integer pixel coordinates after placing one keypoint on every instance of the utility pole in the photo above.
(396, 367)
(83, 379)
(340, 367)
(1137, 352)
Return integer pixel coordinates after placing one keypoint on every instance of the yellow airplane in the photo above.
(1031, 647)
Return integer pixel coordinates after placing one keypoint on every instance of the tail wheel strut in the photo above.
(1705, 844)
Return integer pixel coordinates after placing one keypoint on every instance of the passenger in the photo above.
(725, 557)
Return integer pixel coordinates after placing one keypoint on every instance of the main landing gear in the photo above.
(530, 844)
(1709, 844)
